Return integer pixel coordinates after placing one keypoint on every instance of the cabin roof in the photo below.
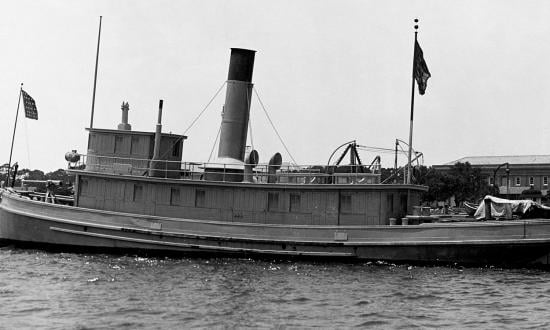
(117, 131)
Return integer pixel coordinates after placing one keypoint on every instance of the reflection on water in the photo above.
(62, 290)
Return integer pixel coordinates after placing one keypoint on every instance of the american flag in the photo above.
(30, 106)
(421, 72)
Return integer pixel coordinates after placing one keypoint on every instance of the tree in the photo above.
(462, 181)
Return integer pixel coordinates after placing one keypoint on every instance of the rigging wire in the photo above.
(272, 125)
(214, 145)
(249, 120)
(194, 120)
(206, 107)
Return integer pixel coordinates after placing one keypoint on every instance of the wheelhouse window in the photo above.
(531, 181)
(119, 140)
(518, 181)
(176, 148)
(134, 145)
(545, 180)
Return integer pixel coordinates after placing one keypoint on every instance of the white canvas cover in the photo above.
(500, 206)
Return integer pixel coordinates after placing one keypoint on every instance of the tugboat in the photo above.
(133, 192)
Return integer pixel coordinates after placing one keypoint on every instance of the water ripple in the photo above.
(79, 291)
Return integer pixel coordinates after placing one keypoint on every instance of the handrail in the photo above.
(286, 173)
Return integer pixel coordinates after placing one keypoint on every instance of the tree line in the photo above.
(67, 180)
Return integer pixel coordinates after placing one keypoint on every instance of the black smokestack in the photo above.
(237, 105)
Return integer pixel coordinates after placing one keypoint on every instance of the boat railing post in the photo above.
(224, 165)
(487, 202)
(165, 169)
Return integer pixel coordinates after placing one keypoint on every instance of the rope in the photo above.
(272, 125)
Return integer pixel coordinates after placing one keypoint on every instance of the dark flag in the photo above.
(30, 106)
(421, 72)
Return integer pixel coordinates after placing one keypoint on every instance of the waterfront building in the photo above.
(517, 177)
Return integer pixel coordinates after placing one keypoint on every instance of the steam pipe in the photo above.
(156, 149)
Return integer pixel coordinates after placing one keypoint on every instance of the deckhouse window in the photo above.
(138, 193)
(531, 181)
(345, 203)
(545, 180)
(491, 181)
(174, 196)
(83, 186)
(389, 202)
(295, 202)
(200, 198)
(273, 201)
(518, 181)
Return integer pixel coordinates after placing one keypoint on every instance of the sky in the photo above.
(327, 72)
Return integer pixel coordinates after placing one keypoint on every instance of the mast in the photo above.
(412, 105)
(95, 74)
(13, 136)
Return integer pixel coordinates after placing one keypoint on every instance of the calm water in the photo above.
(78, 291)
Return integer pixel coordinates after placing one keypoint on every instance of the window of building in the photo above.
(295, 202)
(503, 181)
(200, 198)
(174, 196)
(531, 181)
(545, 180)
(518, 181)
(345, 203)
(119, 140)
(138, 193)
(272, 201)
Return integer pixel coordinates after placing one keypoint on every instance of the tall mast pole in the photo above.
(395, 163)
(95, 74)
(412, 105)
(13, 136)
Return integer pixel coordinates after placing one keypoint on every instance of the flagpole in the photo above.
(412, 106)
(95, 74)
(13, 136)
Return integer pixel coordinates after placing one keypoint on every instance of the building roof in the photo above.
(497, 160)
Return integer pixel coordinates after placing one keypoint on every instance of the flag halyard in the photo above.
(30, 106)
(421, 72)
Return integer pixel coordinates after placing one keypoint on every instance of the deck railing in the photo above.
(210, 171)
